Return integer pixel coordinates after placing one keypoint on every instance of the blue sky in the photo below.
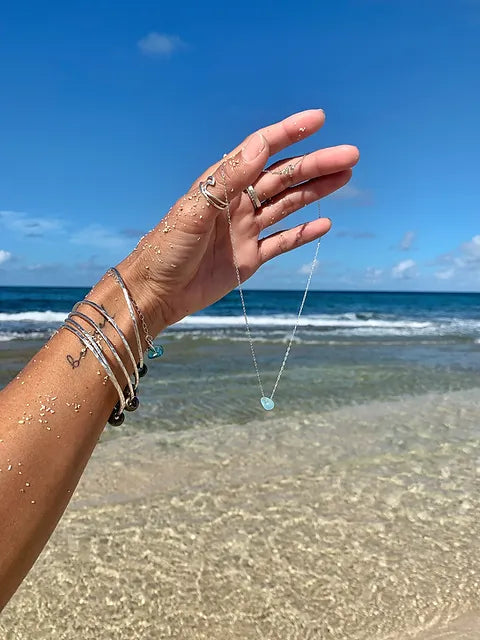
(110, 110)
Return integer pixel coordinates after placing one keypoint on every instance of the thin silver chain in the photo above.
(294, 330)
(130, 299)
(286, 171)
(148, 337)
(239, 281)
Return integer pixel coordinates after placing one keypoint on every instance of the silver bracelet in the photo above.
(132, 400)
(117, 416)
(121, 335)
(131, 310)
(154, 350)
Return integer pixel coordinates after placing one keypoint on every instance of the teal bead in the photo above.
(156, 352)
(267, 403)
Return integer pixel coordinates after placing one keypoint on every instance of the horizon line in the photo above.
(391, 291)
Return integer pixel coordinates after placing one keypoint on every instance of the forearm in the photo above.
(53, 413)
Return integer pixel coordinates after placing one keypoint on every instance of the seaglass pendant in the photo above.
(267, 403)
(155, 352)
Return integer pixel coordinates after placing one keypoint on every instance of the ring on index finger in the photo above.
(210, 197)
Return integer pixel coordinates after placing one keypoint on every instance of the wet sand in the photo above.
(361, 522)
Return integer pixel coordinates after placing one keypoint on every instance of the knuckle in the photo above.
(299, 235)
(227, 179)
(282, 243)
(231, 168)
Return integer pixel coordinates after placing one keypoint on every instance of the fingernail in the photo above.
(254, 147)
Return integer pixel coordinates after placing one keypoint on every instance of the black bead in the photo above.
(132, 404)
(142, 371)
(116, 419)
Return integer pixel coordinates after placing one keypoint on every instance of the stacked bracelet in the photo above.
(117, 417)
(127, 397)
(131, 311)
(154, 351)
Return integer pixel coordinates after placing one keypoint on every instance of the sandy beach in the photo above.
(277, 202)
(360, 522)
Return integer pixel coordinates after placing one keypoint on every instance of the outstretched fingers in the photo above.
(281, 134)
(300, 196)
(284, 241)
(293, 129)
(291, 171)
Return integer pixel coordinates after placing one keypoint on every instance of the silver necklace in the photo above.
(267, 402)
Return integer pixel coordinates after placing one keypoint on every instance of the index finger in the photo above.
(282, 134)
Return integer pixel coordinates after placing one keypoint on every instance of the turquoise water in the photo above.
(351, 348)
(27, 312)
(340, 490)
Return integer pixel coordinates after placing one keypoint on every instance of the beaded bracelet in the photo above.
(127, 399)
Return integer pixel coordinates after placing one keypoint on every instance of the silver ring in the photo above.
(209, 197)
(252, 194)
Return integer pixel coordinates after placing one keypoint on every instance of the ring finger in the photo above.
(299, 196)
(289, 172)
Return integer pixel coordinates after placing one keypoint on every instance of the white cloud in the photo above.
(4, 256)
(471, 249)
(160, 44)
(463, 262)
(372, 274)
(305, 268)
(93, 235)
(407, 241)
(356, 235)
(350, 192)
(404, 270)
(445, 274)
(91, 264)
(45, 267)
(29, 226)
(97, 236)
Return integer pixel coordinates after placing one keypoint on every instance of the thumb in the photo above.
(235, 173)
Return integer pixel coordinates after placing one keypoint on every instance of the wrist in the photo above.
(148, 308)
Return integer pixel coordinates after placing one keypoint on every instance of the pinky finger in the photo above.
(284, 241)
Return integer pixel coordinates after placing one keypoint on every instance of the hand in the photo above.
(187, 260)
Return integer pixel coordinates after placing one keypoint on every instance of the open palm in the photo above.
(189, 260)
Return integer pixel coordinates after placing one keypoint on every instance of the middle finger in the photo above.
(300, 196)
(289, 172)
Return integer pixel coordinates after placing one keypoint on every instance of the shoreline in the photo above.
(361, 522)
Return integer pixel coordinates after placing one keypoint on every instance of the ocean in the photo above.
(350, 347)
(34, 312)
(349, 511)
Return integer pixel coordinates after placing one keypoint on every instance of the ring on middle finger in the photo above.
(253, 195)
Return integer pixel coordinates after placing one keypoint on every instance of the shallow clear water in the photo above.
(349, 511)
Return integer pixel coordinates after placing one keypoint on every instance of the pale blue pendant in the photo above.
(267, 403)
(155, 352)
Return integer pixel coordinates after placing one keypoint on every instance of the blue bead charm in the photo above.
(267, 403)
(156, 352)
